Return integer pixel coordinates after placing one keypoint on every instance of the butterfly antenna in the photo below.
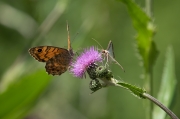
(98, 43)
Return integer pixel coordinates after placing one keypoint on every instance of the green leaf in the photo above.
(168, 84)
(136, 91)
(20, 96)
(22, 22)
(143, 24)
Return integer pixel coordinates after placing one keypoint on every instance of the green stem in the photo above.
(149, 88)
(106, 76)
(149, 74)
(154, 100)
(49, 21)
(143, 95)
(149, 10)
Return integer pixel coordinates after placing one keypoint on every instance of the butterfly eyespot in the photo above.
(39, 50)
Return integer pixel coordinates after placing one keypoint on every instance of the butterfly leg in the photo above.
(107, 60)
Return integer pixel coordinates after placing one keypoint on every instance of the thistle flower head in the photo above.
(86, 59)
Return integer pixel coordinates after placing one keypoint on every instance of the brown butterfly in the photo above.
(57, 59)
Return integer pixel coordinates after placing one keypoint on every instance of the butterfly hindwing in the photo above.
(58, 64)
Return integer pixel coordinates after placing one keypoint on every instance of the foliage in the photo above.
(24, 24)
(148, 51)
(19, 97)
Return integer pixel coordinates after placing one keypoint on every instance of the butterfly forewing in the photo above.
(44, 53)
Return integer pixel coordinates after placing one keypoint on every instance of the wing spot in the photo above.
(39, 50)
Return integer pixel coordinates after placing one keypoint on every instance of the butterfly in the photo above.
(57, 59)
(109, 55)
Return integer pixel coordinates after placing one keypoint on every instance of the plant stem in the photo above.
(149, 75)
(154, 100)
(148, 86)
(109, 80)
(50, 20)
(149, 10)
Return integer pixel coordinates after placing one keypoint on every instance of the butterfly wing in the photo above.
(69, 42)
(109, 52)
(59, 63)
(110, 49)
(44, 53)
(111, 55)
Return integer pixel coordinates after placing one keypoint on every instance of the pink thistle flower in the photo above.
(85, 60)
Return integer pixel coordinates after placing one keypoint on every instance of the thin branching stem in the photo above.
(154, 100)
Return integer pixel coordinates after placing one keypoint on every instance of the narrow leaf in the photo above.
(136, 91)
(20, 96)
(143, 24)
(167, 86)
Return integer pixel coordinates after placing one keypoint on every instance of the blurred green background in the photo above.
(28, 23)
